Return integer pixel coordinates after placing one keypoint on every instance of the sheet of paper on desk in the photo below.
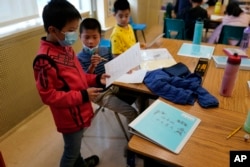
(134, 77)
(216, 17)
(156, 58)
(221, 61)
(198, 51)
(122, 63)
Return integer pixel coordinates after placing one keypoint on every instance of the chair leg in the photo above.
(143, 36)
(121, 125)
(98, 109)
(136, 38)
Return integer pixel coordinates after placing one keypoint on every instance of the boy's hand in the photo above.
(95, 60)
(93, 93)
(103, 78)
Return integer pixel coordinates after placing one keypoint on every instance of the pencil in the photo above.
(234, 132)
(103, 59)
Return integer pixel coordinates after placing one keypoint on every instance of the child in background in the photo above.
(234, 16)
(190, 15)
(62, 84)
(181, 5)
(122, 37)
(92, 58)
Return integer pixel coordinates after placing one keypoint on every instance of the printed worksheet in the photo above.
(123, 63)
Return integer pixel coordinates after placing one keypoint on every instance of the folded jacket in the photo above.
(180, 90)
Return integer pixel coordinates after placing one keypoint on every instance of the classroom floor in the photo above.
(37, 143)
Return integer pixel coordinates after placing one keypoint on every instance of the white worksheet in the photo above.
(120, 65)
(136, 76)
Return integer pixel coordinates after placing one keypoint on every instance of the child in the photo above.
(92, 59)
(190, 15)
(234, 16)
(180, 5)
(61, 82)
(122, 37)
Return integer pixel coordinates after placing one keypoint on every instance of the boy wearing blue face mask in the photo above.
(61, 82)
(92, 58)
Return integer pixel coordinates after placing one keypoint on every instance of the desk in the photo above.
(210, 10)
(240, 100)
(208, 145)
(173, 46)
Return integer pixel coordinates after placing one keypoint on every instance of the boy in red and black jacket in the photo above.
(61, 82)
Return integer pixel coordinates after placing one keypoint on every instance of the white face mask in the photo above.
(70, 38)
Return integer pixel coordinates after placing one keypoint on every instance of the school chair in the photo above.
(105, 43)
(231, 35)
(175, 28)
(136, 27)
(168, 14)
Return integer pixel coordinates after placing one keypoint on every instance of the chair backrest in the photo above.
(231, 35)
(131, 21)
(105, 43)
(174, 28)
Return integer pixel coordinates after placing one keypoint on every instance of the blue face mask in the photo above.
(90, 50)
(70, 38)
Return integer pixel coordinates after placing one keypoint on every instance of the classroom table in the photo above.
(208, 145)
(240, 100)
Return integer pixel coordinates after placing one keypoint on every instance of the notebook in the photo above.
(165, 126)
(232, 51)
(198, 51)
(221, 61)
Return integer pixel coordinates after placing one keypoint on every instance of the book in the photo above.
(221, 61)
(194, 50)
(156, 58)
(165, 125)
(232, 51)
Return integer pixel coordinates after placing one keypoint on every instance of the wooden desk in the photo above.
(240, 100)
(208, 144)
(173, 47)
(210, 10)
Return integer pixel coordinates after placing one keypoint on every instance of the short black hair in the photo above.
(233, 9)
(121, 5)
(90, 24)
(58, 13)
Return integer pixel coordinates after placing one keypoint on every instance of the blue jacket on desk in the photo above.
(180, 90)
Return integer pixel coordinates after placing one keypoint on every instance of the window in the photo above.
(13, 11)
(17, 15)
